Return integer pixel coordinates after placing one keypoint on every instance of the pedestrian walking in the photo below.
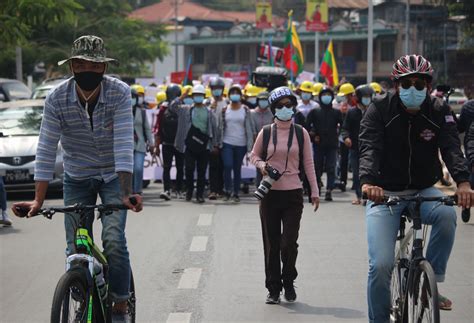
(165, 134)
(286, 152)
(323, 123)
(196, 137)
(350, 134)
(143, 139)
(237, 136)
(216, 167)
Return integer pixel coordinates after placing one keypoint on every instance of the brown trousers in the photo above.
(280, 246)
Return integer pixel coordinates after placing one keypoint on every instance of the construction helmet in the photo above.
(199, 89)
(208, 92)
(188, 89)
(346, 89)
(252, 90)
(138, 89)
(317, 88)
(377, 87)
(306, 86)
(160, 97)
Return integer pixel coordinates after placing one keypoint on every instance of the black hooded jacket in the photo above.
(399, 151)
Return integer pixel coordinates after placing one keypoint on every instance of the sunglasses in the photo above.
(281, 106)
(419, 84)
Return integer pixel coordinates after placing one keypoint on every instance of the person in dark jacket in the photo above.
(400, 136)
(350, 133)
(323, 123)
(166, 129)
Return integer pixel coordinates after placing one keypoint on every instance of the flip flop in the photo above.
(445, 303)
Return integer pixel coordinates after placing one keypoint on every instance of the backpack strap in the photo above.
(267, 129)
(300, 138)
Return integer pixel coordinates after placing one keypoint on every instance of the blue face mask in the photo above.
(412, 98)
(188, 101)
(252, 100)
(366, 101)
(198, 99)
(235, 97)
(306, 96)
(326, 99)
(263, 104)
(217, 92)
(284, 114)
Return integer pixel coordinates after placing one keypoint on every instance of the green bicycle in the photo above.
(81, 295)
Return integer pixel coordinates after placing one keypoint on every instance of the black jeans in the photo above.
(216, 173)
(343, 163)
(169, 152)
(193, 160)
(277, 208)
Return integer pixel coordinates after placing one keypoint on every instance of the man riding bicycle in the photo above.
(400, 135)
(92, 115)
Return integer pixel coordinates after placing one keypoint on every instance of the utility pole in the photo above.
(370, 42)
(407, 28)
(176, 35)
(19, 64)
(445, 54)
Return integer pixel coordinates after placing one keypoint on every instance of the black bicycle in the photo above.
(81, 295)
(413, 288)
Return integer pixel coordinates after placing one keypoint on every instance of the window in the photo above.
(309, 53)
(244, 54)
(228, 54)
(387, 51)
(198, 55)
(361, 52)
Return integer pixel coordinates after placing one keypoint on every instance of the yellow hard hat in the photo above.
(317, 87)
(376, 86)
(138, 88)
(160, 97)
(252, 90)
(345, 89)
(306, 86)
(187, 89)
(208, 92)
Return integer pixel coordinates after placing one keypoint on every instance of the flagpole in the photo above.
(290, 25)
(370, 42)
(316, 57)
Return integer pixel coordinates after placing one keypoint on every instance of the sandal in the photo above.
(445, 303)
(356, 202)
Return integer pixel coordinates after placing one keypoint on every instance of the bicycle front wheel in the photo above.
(70, 301)
(397, 293)
(423, 303)
(132, 301)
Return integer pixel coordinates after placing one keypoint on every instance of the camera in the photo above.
(267, 182)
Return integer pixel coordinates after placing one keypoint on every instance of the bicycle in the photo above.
(413, 288)
(81, 295)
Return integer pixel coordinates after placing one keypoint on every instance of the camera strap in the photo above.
(290, 142)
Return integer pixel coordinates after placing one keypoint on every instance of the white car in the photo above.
(457, 100)
(20, 122)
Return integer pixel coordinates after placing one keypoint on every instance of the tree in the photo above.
(132, 42)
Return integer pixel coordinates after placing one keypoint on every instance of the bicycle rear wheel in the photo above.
(397, 293)
(132, 306)
(70, 301)
(422, 298)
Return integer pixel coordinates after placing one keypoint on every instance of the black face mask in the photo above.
(88, 81)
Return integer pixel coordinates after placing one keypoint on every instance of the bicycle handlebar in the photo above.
(77, 208)
(449, 200)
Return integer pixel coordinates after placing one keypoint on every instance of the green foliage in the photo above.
(46, 29)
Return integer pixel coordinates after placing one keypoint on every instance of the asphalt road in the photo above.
(204, 263)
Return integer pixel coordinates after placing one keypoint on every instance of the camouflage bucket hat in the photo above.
(89, 48)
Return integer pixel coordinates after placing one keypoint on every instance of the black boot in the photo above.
(328, 196)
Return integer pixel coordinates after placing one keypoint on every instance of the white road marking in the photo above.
(205, 219)
(199, 243)
(190, 278)
(179, 318)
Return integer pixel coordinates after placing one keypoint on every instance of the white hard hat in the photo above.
(199, 89)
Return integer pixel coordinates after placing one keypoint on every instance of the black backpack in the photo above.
(169, 126)
(267, 129)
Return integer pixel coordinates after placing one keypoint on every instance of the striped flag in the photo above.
(293, 53)
(328, 67)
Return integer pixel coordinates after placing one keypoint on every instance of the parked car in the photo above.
(11, 90)
(457, 100)
(41, 91)
(20, 122)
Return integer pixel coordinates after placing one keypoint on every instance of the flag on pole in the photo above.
(328, 67)
(293, 53)
(188, 78)
(270, 53)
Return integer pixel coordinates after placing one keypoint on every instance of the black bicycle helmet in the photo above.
(216, 82)
(364, 90)
(172, 92)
